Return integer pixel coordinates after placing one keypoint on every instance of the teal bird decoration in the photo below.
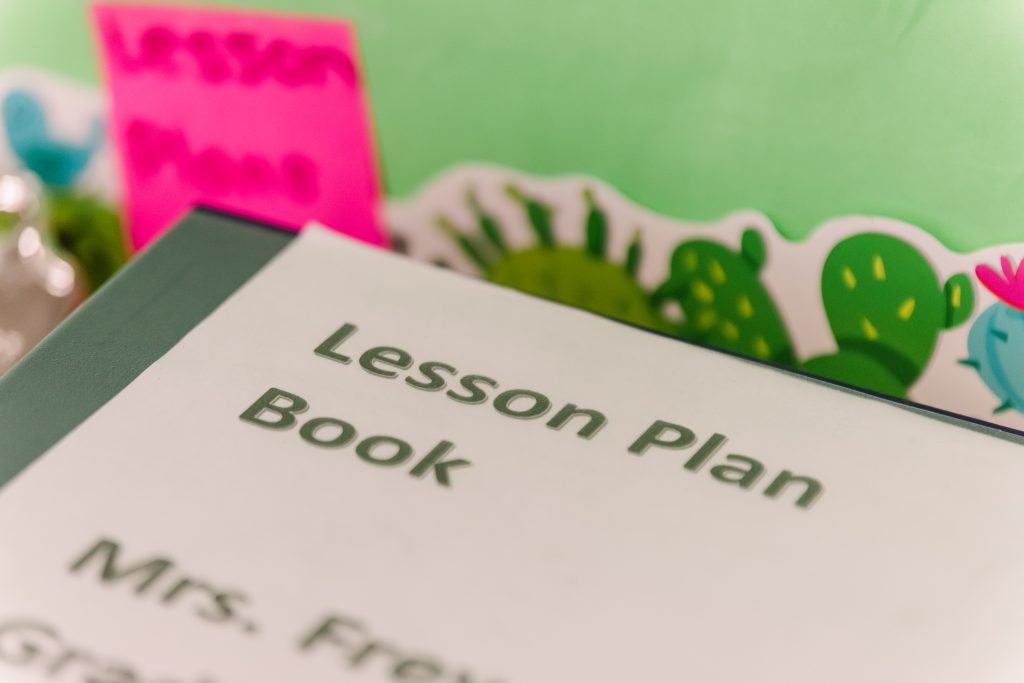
(56, 162)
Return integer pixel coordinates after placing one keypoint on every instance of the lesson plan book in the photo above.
(327, 462)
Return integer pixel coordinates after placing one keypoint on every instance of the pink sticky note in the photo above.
(256, 114)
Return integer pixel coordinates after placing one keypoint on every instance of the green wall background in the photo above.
(803, 109)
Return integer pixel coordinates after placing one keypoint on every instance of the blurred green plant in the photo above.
(90, 232)
(84, 229)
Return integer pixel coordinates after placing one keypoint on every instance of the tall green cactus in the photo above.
(723, 300)
(886, 308)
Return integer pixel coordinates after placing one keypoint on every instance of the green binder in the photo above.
(144, 311)
(130, 323)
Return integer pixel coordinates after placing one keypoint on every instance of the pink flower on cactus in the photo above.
(1009, 286)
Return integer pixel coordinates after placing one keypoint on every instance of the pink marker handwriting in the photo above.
(214, 172)
(228, 57)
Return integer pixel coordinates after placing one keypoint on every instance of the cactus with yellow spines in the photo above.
(886, 308)
(582, 276)
(723, 301)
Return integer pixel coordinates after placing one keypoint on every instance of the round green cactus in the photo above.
(574, 277)
(578, 276)
(884, 301)
(723, 300)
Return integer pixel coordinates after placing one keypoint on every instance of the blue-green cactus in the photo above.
(996, 340)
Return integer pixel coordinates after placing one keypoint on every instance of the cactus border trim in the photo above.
(790, 271)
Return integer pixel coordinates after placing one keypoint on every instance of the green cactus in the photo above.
(578, 276)
(886, 308)
(723, 301)
(857, 369)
